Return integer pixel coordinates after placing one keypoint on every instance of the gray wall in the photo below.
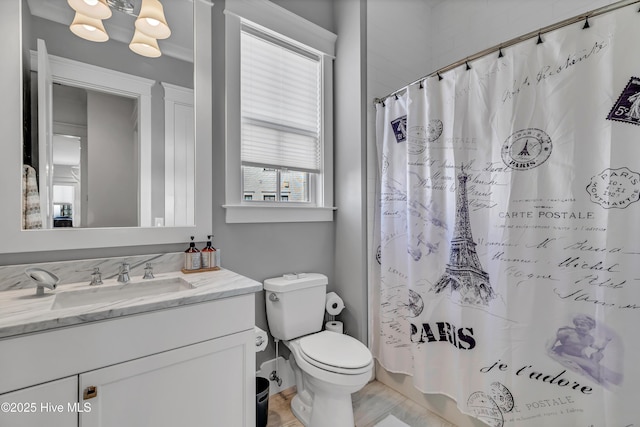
(262, 251)
(112, 165)
(111, 54)
(350, 165)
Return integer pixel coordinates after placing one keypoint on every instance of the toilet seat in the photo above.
(335, 352)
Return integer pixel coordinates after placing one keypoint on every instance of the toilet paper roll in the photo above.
(261, 339)
(334, 304)
(334, 326)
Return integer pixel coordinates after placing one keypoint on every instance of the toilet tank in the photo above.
(295, 304)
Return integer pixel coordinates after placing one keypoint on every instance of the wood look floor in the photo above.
(370, 406)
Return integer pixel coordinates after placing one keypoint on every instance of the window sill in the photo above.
(240, 214)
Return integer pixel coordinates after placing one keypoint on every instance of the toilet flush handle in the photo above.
(273, 297)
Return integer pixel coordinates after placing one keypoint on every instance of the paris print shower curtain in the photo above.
(507, 238)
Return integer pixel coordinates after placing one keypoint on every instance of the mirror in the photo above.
(154, 194)
(131, 116)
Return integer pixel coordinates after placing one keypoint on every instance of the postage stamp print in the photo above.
(615, 188)
(399, 126)
(627, 107)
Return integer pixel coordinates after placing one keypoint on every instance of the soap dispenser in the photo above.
(209, 254)
(192, 259)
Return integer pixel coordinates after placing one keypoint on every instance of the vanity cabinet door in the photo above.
(53, 404)
(206, 384)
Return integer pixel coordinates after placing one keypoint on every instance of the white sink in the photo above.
(112, 293)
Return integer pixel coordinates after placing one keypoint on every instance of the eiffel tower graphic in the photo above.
(463, 273)
(525, 150)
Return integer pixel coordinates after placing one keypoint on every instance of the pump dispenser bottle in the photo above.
(209, 254)
(192, 259)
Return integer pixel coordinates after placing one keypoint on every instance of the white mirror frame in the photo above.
(12, 238)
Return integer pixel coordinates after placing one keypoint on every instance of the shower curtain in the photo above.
(507, 238)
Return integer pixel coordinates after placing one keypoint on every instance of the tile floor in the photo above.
(370, 406)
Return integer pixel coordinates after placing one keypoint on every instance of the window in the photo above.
(279, 115)
(280, 103)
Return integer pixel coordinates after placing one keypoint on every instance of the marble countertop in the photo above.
(22, 312)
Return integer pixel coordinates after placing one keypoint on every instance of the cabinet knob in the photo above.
(90, 392)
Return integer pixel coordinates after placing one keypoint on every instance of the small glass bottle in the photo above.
(209, 255)
(192, 260)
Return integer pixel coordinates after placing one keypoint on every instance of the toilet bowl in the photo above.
(329, 367)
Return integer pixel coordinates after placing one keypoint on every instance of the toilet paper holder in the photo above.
(261, 339)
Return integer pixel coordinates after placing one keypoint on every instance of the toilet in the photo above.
(328, 366)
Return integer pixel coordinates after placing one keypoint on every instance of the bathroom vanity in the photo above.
(179, 357)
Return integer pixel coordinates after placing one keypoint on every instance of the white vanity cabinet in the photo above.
(41, 405)
(187, 366)
(199, 385)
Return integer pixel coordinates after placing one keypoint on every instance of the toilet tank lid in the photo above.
(293, 281)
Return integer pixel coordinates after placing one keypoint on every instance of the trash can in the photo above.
(262, 401)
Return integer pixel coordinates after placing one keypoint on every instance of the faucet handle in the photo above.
(96, 277)
(148, 271)
(123, 275)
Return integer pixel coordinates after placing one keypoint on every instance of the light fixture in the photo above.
(144, 45)
(151, 20)
(88, 28)
(97, 9)
(150, 24)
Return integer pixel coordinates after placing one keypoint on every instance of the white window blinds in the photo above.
(280, 98)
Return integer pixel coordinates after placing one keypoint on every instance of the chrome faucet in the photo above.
(123, 275)
(43, 279)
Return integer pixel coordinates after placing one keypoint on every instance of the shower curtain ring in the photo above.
(586, 23)
(439, 76)
(468, 66)
(539, 39)
(500, 54)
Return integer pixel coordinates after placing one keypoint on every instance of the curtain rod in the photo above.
(516, 40)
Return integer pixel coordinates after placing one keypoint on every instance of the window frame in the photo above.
(264, 16)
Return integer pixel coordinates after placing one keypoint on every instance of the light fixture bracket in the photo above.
(124, 6)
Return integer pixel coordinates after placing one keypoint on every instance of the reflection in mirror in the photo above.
(67, 181)
(110, 140)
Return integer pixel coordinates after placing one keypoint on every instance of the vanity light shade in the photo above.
(96, 9)
(144, 45)
(88, 28)
(151, 20)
